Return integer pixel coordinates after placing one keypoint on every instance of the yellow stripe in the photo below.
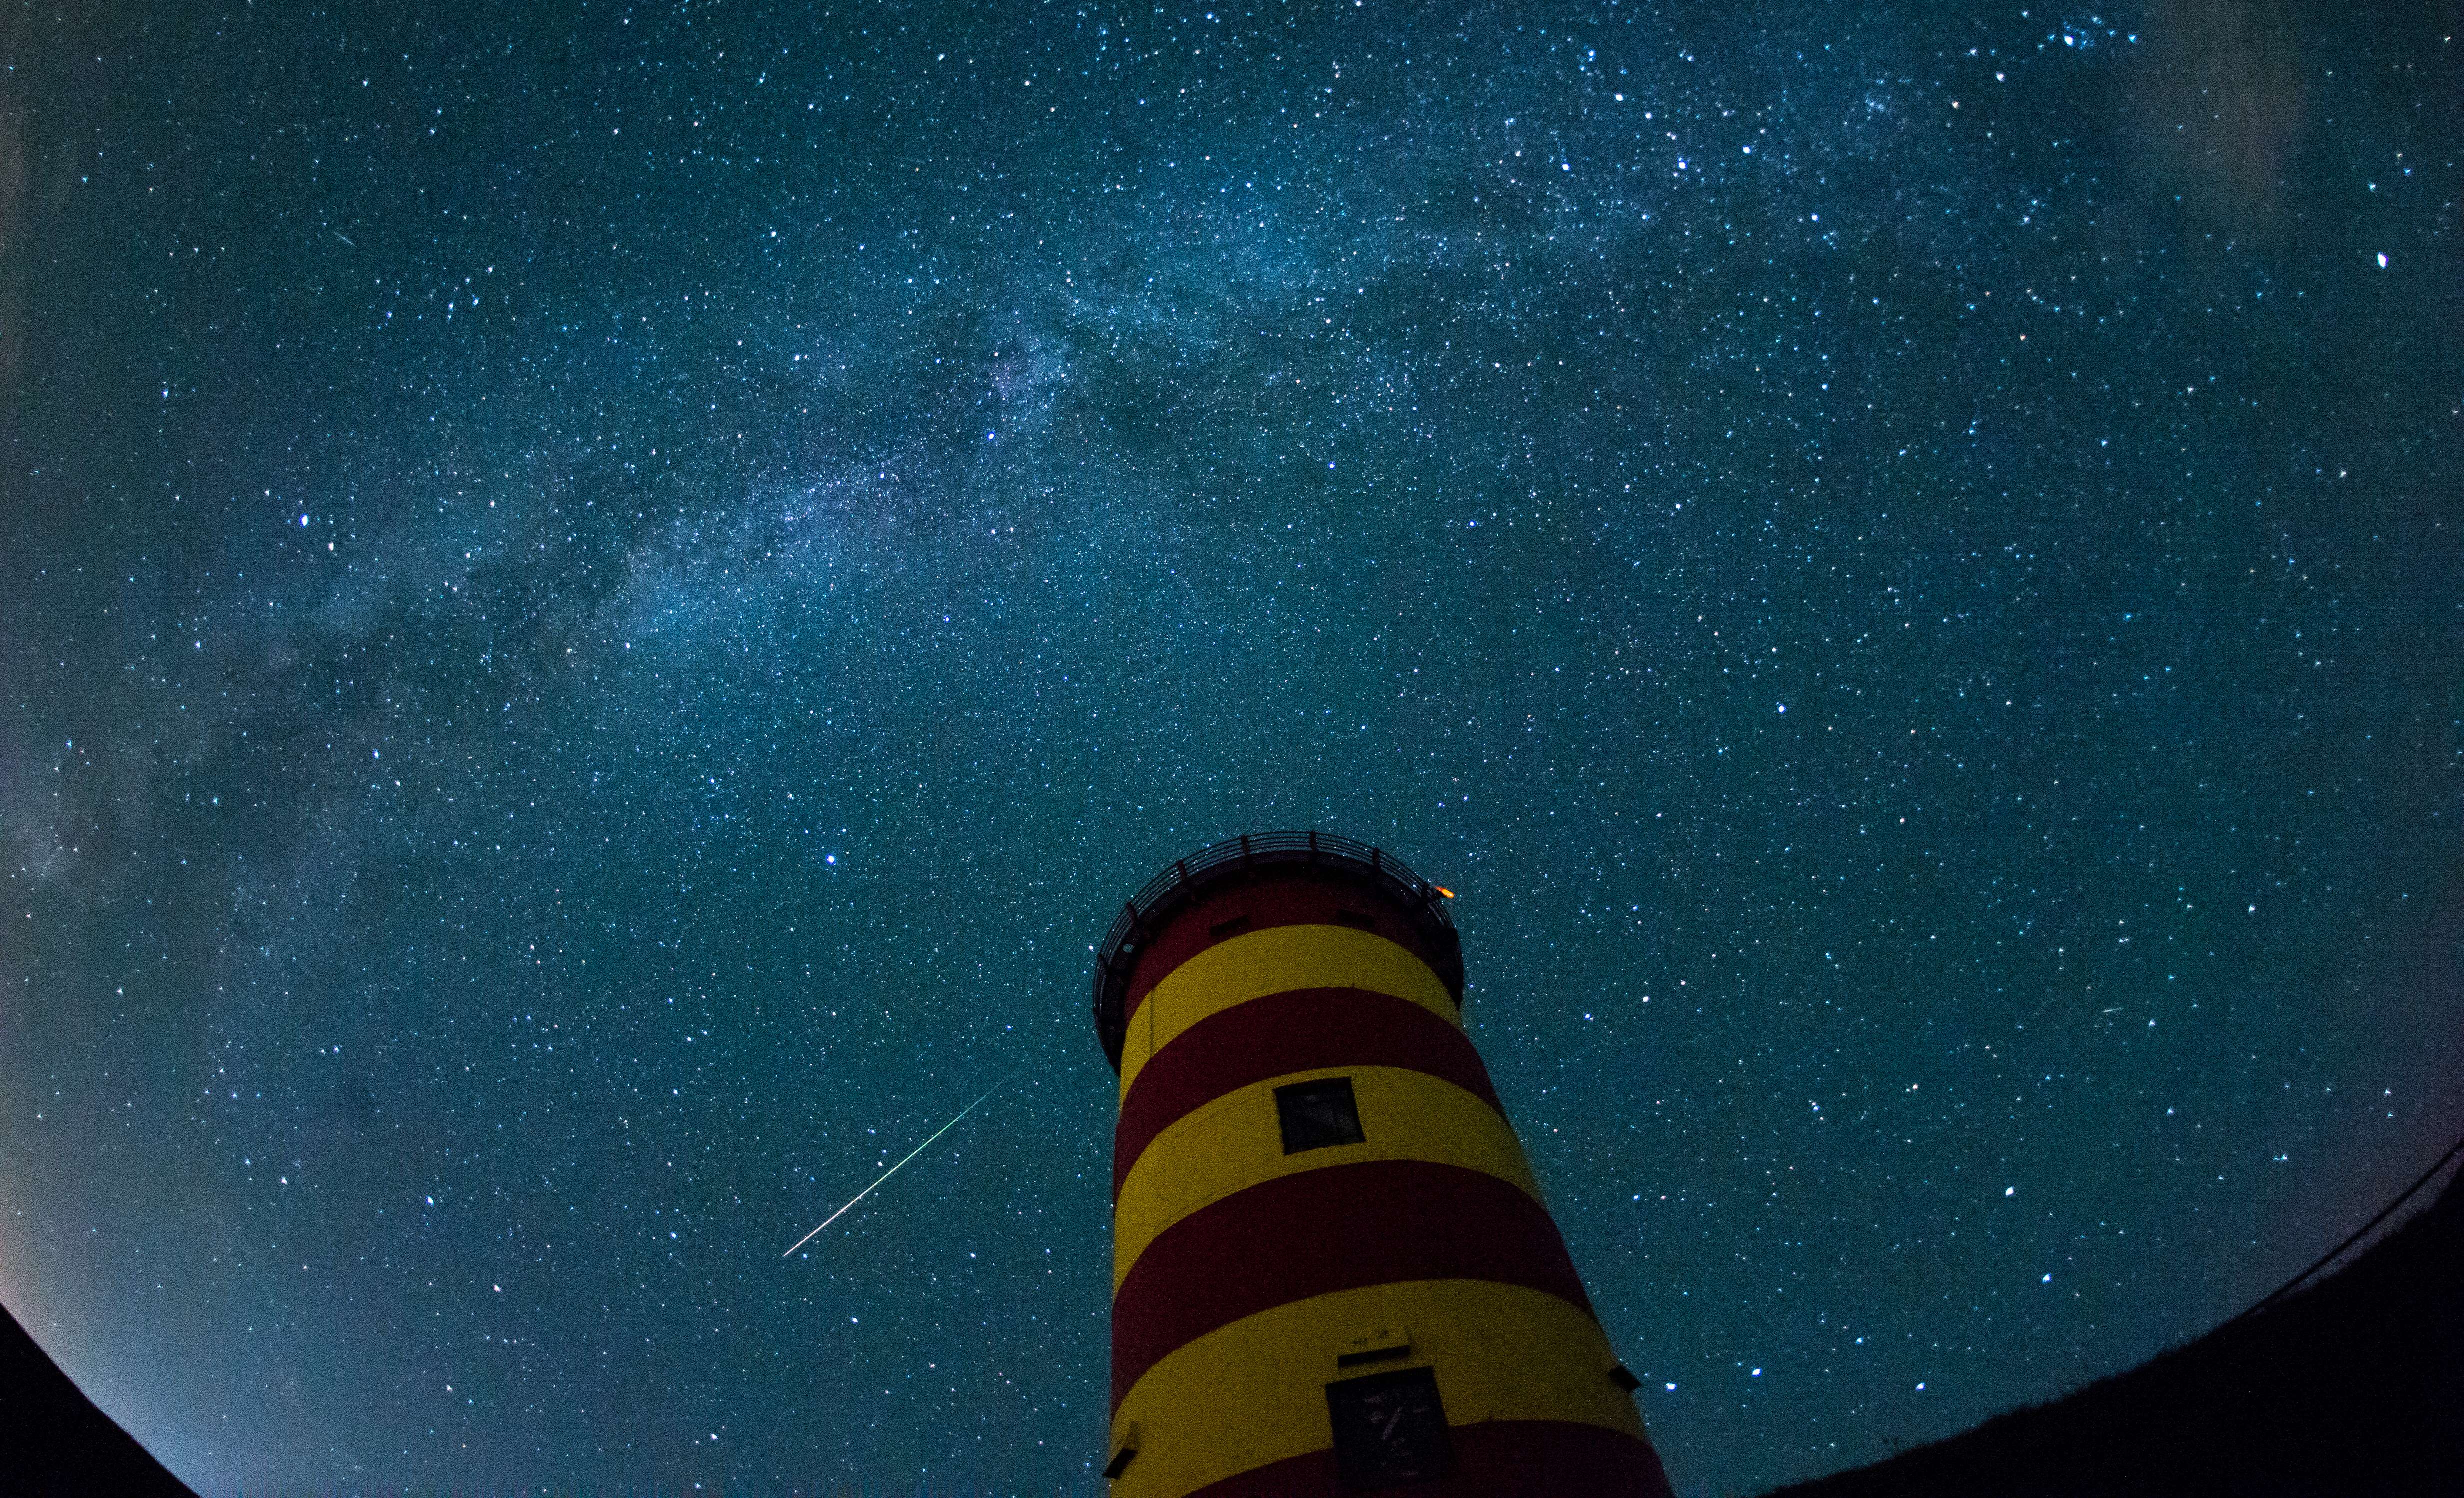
(1254, 1391)
(1235, 1143)
(1276, 960)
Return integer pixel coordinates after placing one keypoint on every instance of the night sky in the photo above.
(599, 605)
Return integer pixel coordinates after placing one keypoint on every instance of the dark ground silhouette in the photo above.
(2354, 1385)
(54, 1442)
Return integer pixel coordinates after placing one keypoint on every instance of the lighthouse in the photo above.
(1332, 1270)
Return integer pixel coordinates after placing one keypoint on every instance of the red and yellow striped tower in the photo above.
(1332, 1269)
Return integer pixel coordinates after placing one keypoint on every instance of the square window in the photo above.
(1389, 1429)
(1315, 1115)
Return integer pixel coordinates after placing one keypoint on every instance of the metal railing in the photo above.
(1146, 911)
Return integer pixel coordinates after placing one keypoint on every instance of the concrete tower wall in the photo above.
(1333, 1268)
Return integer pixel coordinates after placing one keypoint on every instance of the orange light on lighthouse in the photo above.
(1331, 1268)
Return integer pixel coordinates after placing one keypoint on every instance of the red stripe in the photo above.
(1336, 1227)
(1272, 897)
(1494, 1459)
(1284, 1033)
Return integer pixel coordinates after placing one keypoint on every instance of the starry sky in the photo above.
(599, 606)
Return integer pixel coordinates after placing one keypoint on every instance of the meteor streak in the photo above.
(891, 1171)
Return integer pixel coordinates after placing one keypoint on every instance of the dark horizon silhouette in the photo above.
(2353, 1385)
(56, 1441)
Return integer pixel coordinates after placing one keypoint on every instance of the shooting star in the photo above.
(891, 1171)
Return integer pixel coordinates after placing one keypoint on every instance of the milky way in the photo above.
(598, 606)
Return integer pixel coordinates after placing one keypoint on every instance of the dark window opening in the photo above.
(1375, 1355)
(1623, 1378)
(1223, 928)
(1353, 918)
(1127, 1454)
(1389, 1429)
(1315, 1115)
